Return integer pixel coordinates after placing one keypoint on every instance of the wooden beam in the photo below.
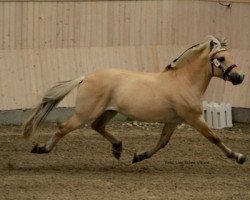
(225, 1)
(222, 1)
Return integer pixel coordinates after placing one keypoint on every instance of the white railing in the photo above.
(217, 116)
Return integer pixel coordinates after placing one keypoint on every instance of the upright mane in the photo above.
(215, 46)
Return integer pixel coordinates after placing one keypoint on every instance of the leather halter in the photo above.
(221, 66)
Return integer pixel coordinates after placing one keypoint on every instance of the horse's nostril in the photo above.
(237, 78)
(243, 76)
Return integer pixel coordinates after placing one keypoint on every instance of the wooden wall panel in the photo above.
(42, 42)
(119, 23)
(39, 69)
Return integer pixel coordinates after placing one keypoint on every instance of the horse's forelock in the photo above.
(218, 44)
(223, 43)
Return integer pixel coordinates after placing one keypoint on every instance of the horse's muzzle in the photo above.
(236, 78)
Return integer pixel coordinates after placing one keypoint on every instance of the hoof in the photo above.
(139, 157)
(39, 150)
(117, 150)
(241, 159)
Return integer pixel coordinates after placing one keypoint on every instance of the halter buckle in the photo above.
(216, 62)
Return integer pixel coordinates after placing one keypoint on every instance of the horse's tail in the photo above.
(50, 100)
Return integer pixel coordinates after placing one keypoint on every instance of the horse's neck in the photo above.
(197, 75)
(194, 69)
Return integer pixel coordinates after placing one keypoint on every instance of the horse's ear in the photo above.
(211, 45)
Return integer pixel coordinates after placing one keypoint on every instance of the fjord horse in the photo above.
(171, 97)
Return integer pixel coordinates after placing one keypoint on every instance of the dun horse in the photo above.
(171, 97)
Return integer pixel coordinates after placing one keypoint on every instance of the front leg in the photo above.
(163, 141)
(40, 149)
(198, 122)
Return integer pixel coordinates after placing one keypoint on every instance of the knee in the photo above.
(117, 145)
(215, 140)
(97, 127)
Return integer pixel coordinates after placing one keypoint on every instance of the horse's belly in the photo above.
(149, 114)
(168, 116)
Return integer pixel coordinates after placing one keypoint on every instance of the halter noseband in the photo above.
(221, 66)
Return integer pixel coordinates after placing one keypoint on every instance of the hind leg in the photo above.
(73, 123)
(99, 125)
(163, 141)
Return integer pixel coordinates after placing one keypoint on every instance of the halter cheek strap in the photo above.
(217, 63)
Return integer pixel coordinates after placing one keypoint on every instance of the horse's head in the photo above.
(217, 57)
(222, 62)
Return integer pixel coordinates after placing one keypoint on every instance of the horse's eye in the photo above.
(221, 59)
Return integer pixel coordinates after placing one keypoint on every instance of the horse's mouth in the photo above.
(235, 78)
